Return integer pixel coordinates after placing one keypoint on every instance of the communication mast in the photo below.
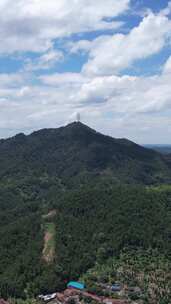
(78, 116)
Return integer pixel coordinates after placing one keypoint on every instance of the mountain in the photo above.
(80, 152)
(72, 198)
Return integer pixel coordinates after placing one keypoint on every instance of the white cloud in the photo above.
(10, 80)
(82, 45)
(110, 54)
(166, 11)
(102, 101)
(123, 106)
(120, 106)
(44, 62)
(167, 66)
(119, 94)
(33, 25)
(61, 79)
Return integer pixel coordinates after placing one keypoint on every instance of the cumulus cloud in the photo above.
(167, 66)
(59, 79)
(44, 62)
(33, 25)
(119, 106)
(166, 11)
(108, 100)
(10, 80)
(111, 99)
(111, 54)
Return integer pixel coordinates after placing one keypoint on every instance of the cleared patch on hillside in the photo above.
(49, 242)
(51, 214)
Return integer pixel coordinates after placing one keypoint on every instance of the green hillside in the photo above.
(71, 198)
(92, 225)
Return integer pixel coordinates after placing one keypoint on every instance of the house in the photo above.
(116, 287)
(47, 298)
(76, 285)
(114, 301)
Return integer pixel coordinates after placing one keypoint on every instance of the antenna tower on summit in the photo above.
(78, 117)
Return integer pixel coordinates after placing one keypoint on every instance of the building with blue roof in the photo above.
(76, 285)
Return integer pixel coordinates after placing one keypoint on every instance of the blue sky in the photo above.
(108, 60)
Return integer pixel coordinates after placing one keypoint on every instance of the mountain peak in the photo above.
(78, 124)
(77, 128)
(75, 150)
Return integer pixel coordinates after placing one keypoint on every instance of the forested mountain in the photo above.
(71, 198)
(91, 225)
(78, 151)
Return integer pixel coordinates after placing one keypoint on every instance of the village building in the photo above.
(76, 285)
(76, 290)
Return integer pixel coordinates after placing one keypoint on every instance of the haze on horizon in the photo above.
(112, 65)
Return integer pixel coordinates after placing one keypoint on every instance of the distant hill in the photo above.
(164, 149)
(80, 152)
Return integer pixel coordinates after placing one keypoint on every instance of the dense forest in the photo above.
(96, 223)
(70, 199)
(93, 224)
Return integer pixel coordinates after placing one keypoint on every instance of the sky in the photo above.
(109, 60)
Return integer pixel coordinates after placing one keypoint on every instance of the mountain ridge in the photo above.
(72, 126)
(75, 150)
